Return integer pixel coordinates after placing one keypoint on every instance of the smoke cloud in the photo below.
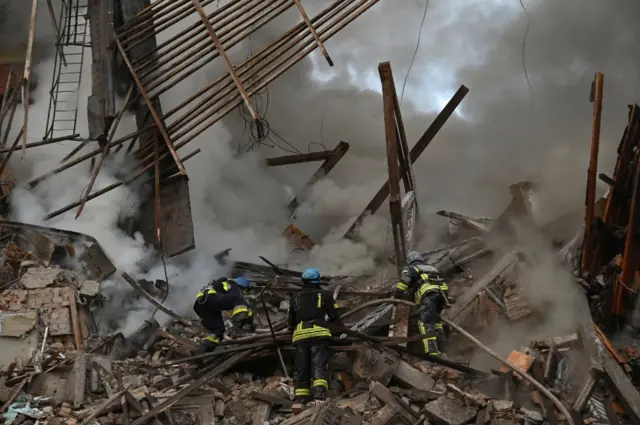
(503, 133)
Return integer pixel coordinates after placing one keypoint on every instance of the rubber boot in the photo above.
(205, 346)
(320, 393)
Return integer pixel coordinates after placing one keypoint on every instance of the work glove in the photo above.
(398, 294)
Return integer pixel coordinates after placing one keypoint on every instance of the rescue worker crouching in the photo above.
(430, 292)
(307, 321)
(222, 295)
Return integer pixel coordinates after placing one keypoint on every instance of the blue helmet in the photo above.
(311, 276)
(242, 282)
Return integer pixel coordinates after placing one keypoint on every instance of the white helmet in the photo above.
(414, 257)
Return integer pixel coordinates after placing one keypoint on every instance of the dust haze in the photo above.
(502, 133)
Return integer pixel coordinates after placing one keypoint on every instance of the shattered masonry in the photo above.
(58, 367)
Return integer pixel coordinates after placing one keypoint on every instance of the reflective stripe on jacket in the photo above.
(306, 331)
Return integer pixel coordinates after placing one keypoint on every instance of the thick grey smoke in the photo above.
(506, 135)
(504, 138)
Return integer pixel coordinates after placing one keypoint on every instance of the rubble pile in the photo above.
(61, 365)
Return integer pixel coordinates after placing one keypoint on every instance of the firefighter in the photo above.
(307, 321)
(222, 295)
(430, 293)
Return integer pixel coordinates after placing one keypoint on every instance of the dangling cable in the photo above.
(524, 47)
(415, 52)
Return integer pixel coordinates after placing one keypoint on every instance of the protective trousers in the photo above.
(312, 356)
(209, 308)
(430, 327)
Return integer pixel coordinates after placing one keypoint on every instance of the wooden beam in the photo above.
(299, 158)
(313, 32)
(225, 58)
(135, 285)
(27, 74)
(156, 117)
(330, 162)
(461, 304)
(415, 153)
(221, 368)
(596, 94)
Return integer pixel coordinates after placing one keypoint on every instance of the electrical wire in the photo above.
(415, 52)
(524, 47)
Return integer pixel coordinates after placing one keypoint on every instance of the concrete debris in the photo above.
(61, 364)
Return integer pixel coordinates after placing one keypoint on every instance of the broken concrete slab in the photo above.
(18, 350)
(375, 365)
(445, 411)
(77, 381)
(383, 394)
(357, 404)
(303, 417)
(42, 277)
(389, 415)
(89, 288)
(17, 324)
(261, 413)
(412, 377)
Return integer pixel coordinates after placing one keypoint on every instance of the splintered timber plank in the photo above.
(461, 304)
(192, 387)
(415, 153)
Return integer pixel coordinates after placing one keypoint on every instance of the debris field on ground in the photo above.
(59, 367)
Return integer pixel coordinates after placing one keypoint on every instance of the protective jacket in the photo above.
(308, 313)
(221, 295)
(418, 280)
(430, 292)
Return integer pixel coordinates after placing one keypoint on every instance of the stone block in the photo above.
(445, 411)
(17, 324)
(375, 365)
(60, 322)
(411, 376)
(41, 277)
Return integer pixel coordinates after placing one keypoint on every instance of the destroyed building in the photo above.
(96, 323)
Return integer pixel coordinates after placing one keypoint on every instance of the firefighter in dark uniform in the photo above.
(430, 293)
(222, 295)
(307, 321)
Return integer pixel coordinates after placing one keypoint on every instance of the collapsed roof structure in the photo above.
(60, 368)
